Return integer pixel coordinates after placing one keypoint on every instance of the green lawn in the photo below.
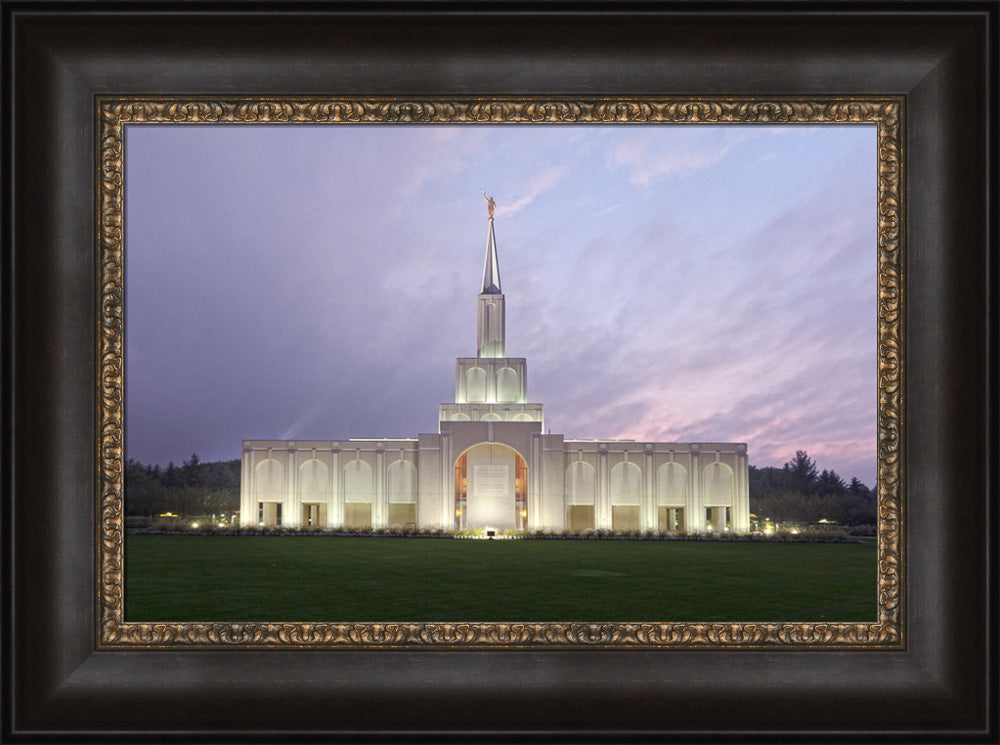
(273, 578)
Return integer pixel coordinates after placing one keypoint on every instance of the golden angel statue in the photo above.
(490, 204)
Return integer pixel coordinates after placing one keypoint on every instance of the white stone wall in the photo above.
(490, 412)
(332, 474)
(691, 476)
(491, 380)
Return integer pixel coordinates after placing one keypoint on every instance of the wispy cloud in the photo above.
(649, 159)
(545, 180)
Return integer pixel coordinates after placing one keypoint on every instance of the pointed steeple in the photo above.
(491, 268)
(490, 306)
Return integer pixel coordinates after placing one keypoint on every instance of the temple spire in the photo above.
(490, 307)
(491, 267)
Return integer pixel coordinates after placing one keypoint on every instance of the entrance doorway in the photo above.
(313, 515)
(491, 489)
(269, 514)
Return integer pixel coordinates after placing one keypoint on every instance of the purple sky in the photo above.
(667, 283)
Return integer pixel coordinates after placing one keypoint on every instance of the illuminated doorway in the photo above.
(484, 496)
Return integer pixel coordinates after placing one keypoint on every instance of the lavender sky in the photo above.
(665, 283)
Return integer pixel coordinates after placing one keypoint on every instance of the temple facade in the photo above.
(490, 467)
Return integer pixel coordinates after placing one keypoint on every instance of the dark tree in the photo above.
(801, 473)
(795, 493)
(830, 483)
(195, 488)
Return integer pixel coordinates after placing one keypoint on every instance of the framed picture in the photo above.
(901, 672)
(364, 275)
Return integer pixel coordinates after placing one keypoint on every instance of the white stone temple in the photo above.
(490, 467)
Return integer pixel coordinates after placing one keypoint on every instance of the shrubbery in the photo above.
(175, 526)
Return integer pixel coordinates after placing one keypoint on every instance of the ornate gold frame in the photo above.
(114, 113)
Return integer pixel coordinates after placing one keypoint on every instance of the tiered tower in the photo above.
(491, 386)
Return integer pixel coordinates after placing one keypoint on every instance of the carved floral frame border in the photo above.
(114, 113)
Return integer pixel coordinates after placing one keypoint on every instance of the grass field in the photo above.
(261, 578)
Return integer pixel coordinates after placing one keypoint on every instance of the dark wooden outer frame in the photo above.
(59, 58)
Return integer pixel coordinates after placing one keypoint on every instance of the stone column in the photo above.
(447, 484)
(602, 516)
(291, 510)
(534, 486)
(647, 507)
(694, 512)
(741, 497)
(247, 509)
(335, 514)
(718, 520)
(380, 518)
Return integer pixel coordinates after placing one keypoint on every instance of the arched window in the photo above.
(401, 485)
(313, 480)
(475, 384)
(717, 485)
(359, 489)
(401, 481)
(270, 480)
(626, 483)
(581, 490)
(626, 492)
(671, 485)
(358, 482)
(580, 483)
(506, 385)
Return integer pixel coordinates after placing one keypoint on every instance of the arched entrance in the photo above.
(491, 488)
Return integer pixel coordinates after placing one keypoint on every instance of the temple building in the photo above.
(490, 467)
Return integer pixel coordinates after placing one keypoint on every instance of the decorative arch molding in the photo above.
(269, 480)
(507, 385)
(717, 485)
(314, 480)
(475, 385)
(625, 484)
(581, 483)
(401, 481)
(459, 416)
(491, 417)
(671, 485)
(359, 484)
(503, 445)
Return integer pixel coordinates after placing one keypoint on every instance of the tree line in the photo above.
(798, 493)
(193, 488)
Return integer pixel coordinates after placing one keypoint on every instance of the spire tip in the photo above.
(490, 203)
